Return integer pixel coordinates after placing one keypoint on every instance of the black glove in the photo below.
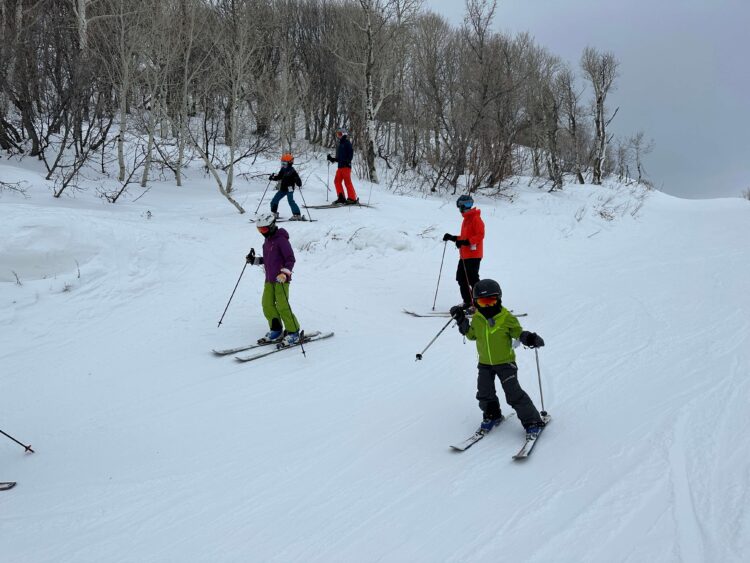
(330, 158)
(462, 242)
(531, 339)
(272, 177)
(448, 236)
(458, 313)
(250, 258)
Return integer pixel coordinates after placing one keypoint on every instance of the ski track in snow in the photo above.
(149, 448)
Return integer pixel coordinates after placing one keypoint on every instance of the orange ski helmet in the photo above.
(287, 158)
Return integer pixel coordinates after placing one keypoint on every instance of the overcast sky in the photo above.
(684, 77)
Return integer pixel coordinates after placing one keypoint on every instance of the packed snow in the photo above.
(150, 448)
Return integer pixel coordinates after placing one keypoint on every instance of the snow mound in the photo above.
(40, 250)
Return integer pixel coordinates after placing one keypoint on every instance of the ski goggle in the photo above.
(487, 301)
(264, 230)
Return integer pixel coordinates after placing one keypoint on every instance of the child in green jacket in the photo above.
(494, 329)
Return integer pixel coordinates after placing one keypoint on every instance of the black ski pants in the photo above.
(467, 275)
(514, 395)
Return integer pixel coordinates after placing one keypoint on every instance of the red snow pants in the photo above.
(344, 176)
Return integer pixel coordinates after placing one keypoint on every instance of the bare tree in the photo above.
(372, 42)
(571, 110)
(159, 56)
(601, 69)
(459, 108)
(640, 147)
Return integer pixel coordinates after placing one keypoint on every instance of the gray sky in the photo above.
(684, 77)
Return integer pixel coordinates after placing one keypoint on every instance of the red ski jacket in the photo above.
(472, 229)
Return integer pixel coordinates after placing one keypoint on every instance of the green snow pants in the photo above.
(276, 306)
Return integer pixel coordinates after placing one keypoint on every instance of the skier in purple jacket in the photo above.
(278, 261)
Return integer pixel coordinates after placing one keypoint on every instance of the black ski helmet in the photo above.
(487, 288)
(465, 202)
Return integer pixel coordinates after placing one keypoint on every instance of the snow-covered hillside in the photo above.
(149, 448)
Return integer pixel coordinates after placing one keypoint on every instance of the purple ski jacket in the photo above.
(277, 254)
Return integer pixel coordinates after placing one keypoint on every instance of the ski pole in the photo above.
(263, 196)
(328, 180)
(252, 254)
(369, 194)
(28, 448)
(419, 356)
(305, 204)
(466, 274)
(539, 376)
(301, 336)
(445, 245)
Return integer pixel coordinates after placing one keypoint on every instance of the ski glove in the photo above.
(460, 243)
(448, 236)
(331, 158)
(531, 339)
(458, 313)
(272, 177)
(254, 260)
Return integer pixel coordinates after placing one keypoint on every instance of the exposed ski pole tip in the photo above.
(419, 357)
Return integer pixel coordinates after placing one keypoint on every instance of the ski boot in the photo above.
(271, 337)
(340, 200)
(350, 201)
(297, 218)
(490, 421)
(534, 429)
(291, 339)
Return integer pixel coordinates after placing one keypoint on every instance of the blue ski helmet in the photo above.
(465, 202)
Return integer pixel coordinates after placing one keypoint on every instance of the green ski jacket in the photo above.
(494, 337)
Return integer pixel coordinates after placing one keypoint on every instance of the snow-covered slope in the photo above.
(149, 448)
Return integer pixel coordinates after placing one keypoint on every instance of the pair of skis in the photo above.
(283, 220)
(275, 347)
(523, 453)
(446, 314)
(335, 205)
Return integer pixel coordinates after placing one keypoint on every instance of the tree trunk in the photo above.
(372, 173)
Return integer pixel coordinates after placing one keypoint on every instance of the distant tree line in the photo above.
(225, 80)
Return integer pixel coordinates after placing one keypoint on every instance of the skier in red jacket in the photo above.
(470, 244)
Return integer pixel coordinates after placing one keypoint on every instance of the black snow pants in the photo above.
(514, 395)
(467, 275)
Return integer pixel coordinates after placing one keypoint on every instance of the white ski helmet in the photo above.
(265, 219)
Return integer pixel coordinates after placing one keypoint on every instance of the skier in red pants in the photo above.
(344, 156)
